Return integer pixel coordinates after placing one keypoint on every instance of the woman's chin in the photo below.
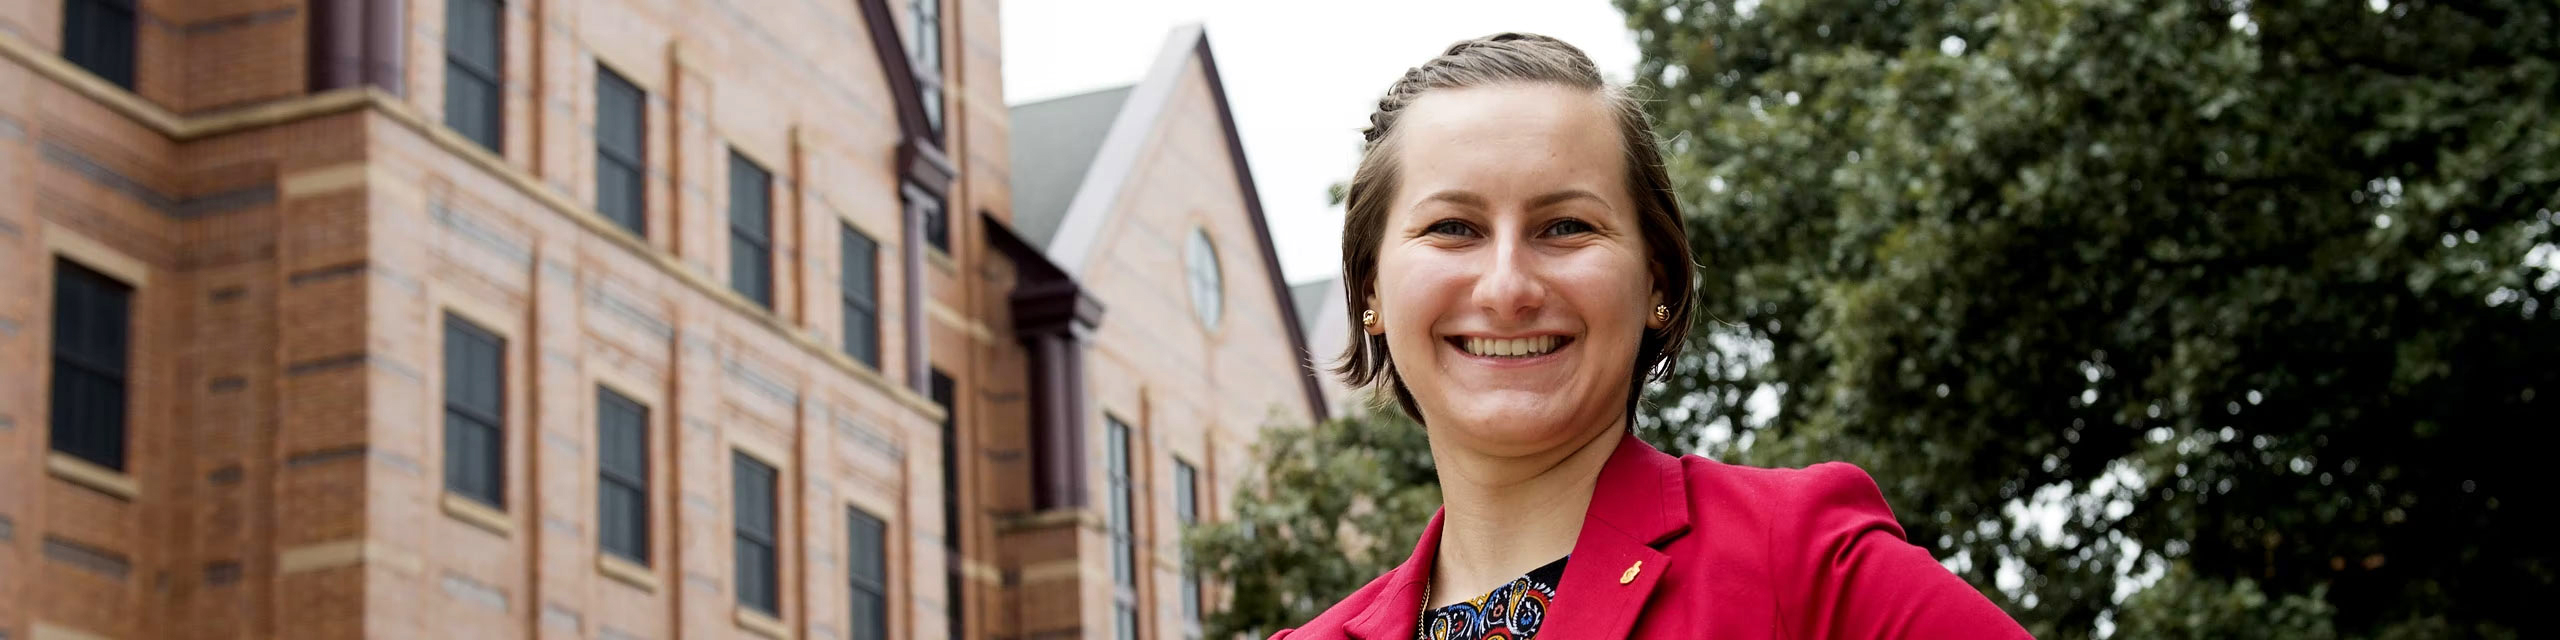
(1509, 424)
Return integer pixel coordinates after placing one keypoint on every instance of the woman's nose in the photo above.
(1509, 285)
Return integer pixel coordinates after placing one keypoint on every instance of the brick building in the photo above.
(1137, 200)
(541, 318)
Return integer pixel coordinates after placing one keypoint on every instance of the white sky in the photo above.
(1301, 76)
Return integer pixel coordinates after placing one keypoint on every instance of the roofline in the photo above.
(1262, 233)
(1081, 225)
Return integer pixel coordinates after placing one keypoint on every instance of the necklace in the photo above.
(1424, 617)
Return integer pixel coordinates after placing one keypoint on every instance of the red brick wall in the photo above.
(286, 389)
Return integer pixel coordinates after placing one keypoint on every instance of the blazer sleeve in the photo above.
(1859, 578)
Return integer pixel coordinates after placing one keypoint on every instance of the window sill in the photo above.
(941, 260)
(474, 513)
(89, 474)
(761, 624)
(627, 572)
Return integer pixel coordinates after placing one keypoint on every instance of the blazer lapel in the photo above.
(1640, 502)
(1394, 611)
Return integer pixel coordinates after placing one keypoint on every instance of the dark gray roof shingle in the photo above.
(1053, 143)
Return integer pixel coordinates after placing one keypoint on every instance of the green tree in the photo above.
(1328, 508)
(2192, 318)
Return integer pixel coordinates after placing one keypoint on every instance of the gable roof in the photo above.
(1310, 298)
(1093, 180)
(1053, 144)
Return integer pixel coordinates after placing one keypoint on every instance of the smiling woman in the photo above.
(1515, 257)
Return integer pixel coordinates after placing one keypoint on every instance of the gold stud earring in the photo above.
(1369, 318)
(1661, 313)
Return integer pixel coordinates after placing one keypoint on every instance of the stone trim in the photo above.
(761, 624)
(87, 474)
(626, 572)
(479, 515)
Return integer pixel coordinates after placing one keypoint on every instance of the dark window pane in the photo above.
(98, 35)
(937, 226)
(472, 63)
(622, 445)
(758, 584)
(620, 138)
(619, 194)
(618, 114)
(931, 94)
(858, 278)
(1127, 624)
(867, 555)
(750, 270)
(471, 106)
(945, 393)
(867, 564)
(92, 320)
(623, 519)
(472, 33)
(861, 335)
(925, 54)
(1186, 510)
(753, 512)
(1186, 493)
(1124, 552)
(750, 230)
(870, 615)
(475, 409)
(750, 187)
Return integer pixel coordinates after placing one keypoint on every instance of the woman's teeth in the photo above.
(1512, 347)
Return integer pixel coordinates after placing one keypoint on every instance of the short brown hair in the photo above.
(1511, 58)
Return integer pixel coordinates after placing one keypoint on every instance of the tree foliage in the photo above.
(2193, 318)
(1327, 508)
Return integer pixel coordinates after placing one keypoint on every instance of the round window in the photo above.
(1201, 264)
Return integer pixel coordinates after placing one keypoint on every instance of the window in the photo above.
(621, 173)
(475, 380)
(759, 557)
(1124, 543)
(861, 284)
(1186, 510)
(1201, 265)
(98, 36)
(945, 393)
(867, 555)
(750, 230)
(622, 493)
(926, 53)
(472, 31)
(928, 210)
(92, 337)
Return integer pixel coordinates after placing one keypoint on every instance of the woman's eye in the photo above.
(1568, 227)
(1452, 228)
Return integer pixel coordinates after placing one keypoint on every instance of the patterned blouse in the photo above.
(1512, 611)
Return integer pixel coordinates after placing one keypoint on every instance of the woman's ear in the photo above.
(1651, 319)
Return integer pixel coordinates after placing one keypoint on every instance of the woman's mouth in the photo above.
(1528, 347)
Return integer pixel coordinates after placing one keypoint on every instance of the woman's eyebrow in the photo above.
(1568, 194)
(1469, 199)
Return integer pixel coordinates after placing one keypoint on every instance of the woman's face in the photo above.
(1512, 286)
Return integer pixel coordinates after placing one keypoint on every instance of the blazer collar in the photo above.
(1640, 501)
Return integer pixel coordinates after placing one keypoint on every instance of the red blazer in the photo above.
(1692, 548)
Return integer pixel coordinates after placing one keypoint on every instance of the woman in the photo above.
(1515, 256)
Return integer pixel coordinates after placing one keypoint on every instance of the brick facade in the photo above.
(294, 255)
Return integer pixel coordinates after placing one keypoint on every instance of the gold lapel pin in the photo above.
(1630, 575)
